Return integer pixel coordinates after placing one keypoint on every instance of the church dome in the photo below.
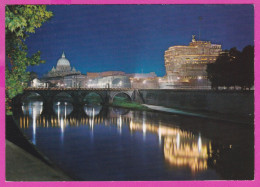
(63, 61)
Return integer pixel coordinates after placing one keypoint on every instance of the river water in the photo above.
(105, 143)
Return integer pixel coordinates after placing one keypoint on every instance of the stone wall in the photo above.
(228, 102)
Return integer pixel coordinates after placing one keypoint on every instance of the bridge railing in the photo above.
(69, 89)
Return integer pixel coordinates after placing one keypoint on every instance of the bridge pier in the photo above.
(48, 108)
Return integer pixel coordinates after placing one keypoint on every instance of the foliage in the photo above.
(20, 21)
(125, 103)
(93, 98)
(246, 68)
(233, 68)
(33, 75)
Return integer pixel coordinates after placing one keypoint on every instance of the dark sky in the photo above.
(130, 38)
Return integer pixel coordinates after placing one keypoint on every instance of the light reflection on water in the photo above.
(92, 110)
(115, 150)
(33, 110)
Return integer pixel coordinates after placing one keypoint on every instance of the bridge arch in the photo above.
(123, 95)
(93, 97)
(31, 95)
(63, 96)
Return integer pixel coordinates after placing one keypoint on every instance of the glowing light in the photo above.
(144, 127)
(131, 125)
(199, 143)
(160, 134)
(178, 140)
(62, 128)
(34, 125)
(119, 123)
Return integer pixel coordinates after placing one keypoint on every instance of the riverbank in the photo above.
(22, 166)
(132, 105)
(201, 114)
(30, 164)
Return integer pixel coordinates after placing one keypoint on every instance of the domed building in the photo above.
(63, 68)
(63, 76)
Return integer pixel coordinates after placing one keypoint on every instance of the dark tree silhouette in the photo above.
(233, 68)
(33, 75)
(246, 68)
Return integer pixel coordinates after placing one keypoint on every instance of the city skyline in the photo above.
(133, 38)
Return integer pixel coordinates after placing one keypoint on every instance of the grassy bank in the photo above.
(123, 102)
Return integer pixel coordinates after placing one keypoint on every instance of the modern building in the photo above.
(186, 65)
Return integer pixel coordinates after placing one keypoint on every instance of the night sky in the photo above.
(132, 38)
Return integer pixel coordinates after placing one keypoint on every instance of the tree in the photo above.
(233, 68)
(20, 21)
(33, 75)
(246, 68)
(221, 73)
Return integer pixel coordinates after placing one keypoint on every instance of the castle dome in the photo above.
(63, 61)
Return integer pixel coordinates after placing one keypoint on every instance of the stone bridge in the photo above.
(222, 102)
(77, 95)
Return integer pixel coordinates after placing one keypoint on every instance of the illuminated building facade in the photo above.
(75, 81)
(186, 65)
(63, 76)
(62, 68)
(144, 81)
(118, 79)
(36, 83)
(108, 79)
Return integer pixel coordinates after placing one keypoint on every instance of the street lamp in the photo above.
(198, 82)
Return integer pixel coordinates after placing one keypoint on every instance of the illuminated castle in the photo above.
(186, 65)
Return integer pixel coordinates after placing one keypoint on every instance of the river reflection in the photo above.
(92, 110)
(33, 110)
(115, 150)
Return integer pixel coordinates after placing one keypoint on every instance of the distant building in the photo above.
(64, 76)
(75, 81)
(118, 79)
(36, 83)
(144, 81)
(62, 68)
(186, 65)
(108, 79)
(104, 74)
